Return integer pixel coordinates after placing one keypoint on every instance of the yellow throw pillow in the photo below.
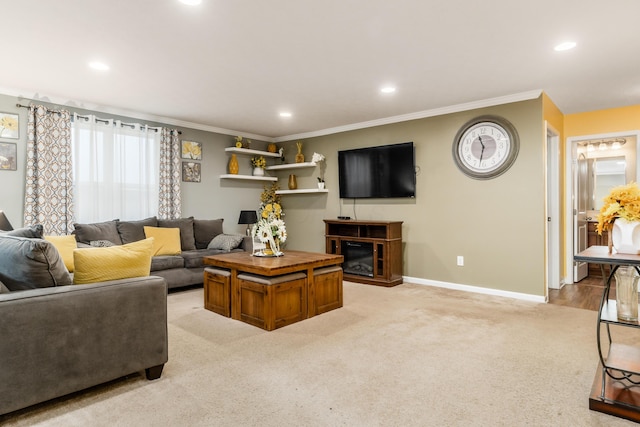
(65, 246)
(112, 263)
(166, 241)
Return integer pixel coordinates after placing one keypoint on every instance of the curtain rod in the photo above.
(97, 119)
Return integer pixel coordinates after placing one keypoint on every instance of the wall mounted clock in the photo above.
(485, 147)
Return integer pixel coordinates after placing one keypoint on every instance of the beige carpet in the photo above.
(404, 356)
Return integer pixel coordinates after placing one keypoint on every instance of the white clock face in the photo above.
(484, 147)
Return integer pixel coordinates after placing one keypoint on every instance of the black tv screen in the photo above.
(377, 172)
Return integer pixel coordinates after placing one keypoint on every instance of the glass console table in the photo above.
(616, 387)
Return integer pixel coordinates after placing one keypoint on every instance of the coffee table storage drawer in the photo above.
(272, 302)
(217, 291)
(326, 294)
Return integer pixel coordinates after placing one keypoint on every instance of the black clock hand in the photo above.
(481, 151)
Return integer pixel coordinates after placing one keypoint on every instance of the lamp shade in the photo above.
(248, 217)
(5, 225)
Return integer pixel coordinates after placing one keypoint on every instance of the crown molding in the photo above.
(517, 97)
(128, 113)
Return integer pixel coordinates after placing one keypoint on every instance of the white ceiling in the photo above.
(235, 64)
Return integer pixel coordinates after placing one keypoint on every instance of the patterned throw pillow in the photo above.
(102, 243)
(226, 242)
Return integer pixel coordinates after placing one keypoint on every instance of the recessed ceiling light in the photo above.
(285, 114)
(388, 89)
(97, 65)
(565, 46)
(190, 2)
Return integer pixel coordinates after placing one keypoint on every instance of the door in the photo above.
(581, 179)
(553, 211)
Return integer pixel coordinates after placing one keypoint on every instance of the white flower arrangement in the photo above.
(319, 158)
(270, 226)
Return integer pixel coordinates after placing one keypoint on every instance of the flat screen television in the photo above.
(377, 172)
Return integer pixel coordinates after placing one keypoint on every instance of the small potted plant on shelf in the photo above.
(319, 160)
(258, 163)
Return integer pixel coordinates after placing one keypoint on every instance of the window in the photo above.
(115, 169)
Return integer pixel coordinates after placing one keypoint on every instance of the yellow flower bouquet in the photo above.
(259, 162)
(622, 202)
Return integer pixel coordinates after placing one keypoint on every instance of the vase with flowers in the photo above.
(270, 228)
(258, 163)
(318, 159)
(620, 216)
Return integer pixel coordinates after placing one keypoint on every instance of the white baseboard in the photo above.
(476, 289)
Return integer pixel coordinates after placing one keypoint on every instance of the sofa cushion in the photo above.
(226, 242)
(205, 230)
(32, 232)
(132, 231)
(195, 259)
(187, 240)
(65, 246)
(117, 262)
(166, 241)
(27, 263)
(107, 230)
(166, 262)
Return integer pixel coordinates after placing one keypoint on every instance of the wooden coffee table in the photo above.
(269, 306)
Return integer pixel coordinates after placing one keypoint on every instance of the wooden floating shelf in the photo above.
(250, 152)
(249, 177)
(302, 191)
(291, 166)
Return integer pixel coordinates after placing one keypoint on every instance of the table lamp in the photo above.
(5, 225)
(249, 218)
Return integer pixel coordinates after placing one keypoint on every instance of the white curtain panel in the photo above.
(116, 169)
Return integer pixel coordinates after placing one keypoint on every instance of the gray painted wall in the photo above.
(497, 225)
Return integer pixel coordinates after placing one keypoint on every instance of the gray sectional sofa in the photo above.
(59, 338)
(198, 238)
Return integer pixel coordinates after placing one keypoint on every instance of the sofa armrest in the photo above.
(63, 339)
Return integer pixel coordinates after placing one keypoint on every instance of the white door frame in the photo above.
(570, 164)
(552, 211)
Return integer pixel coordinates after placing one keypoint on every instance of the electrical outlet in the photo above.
(460, 261)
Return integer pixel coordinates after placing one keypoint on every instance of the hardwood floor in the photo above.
(584, 294)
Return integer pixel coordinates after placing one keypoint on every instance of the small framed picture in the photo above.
(191, 172)
(8, 156)
(9, 126)
(191, 150)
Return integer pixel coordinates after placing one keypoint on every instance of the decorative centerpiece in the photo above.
(620, 215)
(319, 160)
(299, 156)
(258, 163)
(270, 228)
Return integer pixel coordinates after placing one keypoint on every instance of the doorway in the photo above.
(591, 157)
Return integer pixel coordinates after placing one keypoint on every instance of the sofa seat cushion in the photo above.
(132, 231)
(166, 262)
(187, 239)
(117, 262)
(194, 259)
(27, 263)
(107, 230)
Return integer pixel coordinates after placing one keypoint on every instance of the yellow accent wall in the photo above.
(619, 119)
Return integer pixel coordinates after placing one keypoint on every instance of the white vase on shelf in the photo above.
(258, 172)
(321, 186)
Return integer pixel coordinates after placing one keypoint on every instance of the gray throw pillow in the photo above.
(32, 232)
(133, 231)
(205, 230)
(107, 230)
(27, 263)
(187, 240)
(226, 242)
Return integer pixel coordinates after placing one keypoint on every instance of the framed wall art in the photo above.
(8, 156)
(191, 172)
(9, 126)
(191, 150)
